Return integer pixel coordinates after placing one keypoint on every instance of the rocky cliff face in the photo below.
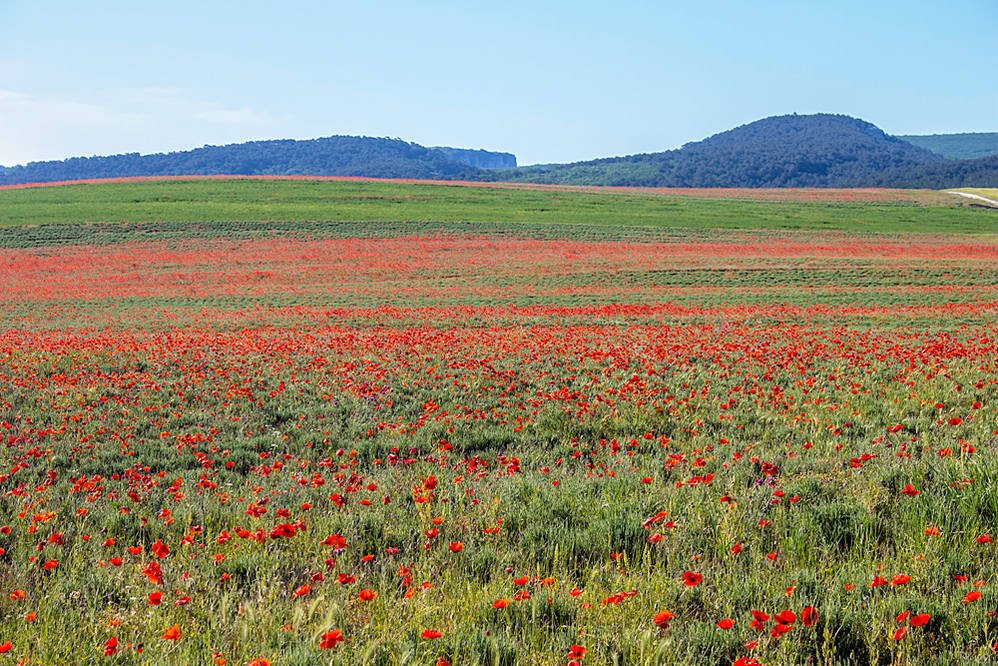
(482, 159)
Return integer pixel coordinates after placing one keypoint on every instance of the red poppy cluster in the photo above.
(340, 429)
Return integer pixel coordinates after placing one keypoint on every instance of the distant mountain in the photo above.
(481, 159)
(330, 156)
(821, 150)
(970, 145)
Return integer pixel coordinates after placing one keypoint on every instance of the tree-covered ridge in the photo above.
(822, 150)
(329, 156)
(982, 172)
(964, 146)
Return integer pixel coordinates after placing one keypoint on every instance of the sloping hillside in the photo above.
(821, 150)
(982, 172)
(330, 156)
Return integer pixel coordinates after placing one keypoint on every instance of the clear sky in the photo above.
(549, 81)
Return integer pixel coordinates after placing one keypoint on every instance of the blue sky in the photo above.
(549, 81)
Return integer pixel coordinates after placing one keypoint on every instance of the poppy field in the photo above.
(394, 423)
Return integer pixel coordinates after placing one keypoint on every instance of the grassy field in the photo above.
(260, 205)
(288, 422)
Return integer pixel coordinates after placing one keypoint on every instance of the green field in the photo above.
(248, 206)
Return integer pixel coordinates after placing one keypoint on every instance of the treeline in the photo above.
(330, 156)
(982, 172)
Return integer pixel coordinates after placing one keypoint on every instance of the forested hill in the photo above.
(821, 150)
(982, 172)
(965, 146)
(330, 156)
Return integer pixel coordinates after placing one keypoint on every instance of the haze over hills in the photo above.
(965, 146)
(482, 159)
(820, 150)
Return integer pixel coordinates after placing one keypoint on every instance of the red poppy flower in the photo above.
(662, 618)
(919, 620)
(576, 651)
(726, 623)
(780, 629)
(172, 634)
(785, 617)
(367, 595)
(110, 646)
(691, 579)
(758, 618)
(500, 603)
(301, 591)
(430, 633)
(972, 596)
(809, 616)
(160, 549)
(331, 638)
(153, 572)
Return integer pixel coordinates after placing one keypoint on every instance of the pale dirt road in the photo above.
(975, 196)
